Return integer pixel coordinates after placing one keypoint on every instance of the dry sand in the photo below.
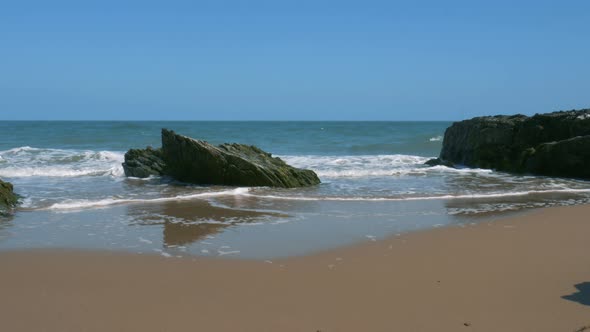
(509, 275)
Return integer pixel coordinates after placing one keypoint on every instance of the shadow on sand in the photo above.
(582, 296)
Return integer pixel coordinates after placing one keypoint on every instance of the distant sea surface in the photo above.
(374, 184)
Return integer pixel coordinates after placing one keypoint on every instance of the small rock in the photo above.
(8, 199)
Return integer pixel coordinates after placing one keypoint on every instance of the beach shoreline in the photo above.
(517, 273)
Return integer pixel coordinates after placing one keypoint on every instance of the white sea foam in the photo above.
(75, 205)
(78, 204)
(27, 161)
(372, 166)
(18, 150)
(223, 253)
(141, 239)
(26, 202)
(58, 172)
(441, 168)
(357, 166)
(421, 198)
(395, 160)
(436, 139)
(36, 162)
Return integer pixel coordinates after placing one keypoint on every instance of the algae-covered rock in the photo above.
(8, 199)
(545, 144)
(199, 162)
(142, 163)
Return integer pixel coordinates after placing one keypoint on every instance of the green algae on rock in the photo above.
(8, 199)
(143, 163)
(196, 161)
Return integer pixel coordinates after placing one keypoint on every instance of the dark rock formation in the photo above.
(141, 163)
(199, 162)
(439, 162)
(195, 161)
(8, 199)
(555, 144)
(570, 157)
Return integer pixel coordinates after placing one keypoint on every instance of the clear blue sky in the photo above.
(291, 60)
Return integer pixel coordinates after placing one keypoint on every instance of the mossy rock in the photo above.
(195, 161)
(8, 199)
(143, 163)
(199, 162)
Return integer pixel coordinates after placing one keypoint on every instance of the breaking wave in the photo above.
(371, 166)
(247, 192)
(27, 161)
(77, 204)
(37, 162)
(422, 198)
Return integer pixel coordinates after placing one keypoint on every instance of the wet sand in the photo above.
(517, 274)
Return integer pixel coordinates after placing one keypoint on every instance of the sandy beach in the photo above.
(524, 273)
(295, 166)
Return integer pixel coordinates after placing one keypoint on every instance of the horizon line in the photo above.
(177, 120)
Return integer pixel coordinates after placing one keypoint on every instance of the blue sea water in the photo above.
(374, 184)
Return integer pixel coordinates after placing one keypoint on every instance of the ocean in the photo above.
(374, 185)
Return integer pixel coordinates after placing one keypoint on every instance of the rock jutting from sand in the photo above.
(8, 199)
(553, 144)
(196, 161)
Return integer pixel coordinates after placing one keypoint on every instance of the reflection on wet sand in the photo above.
(5, 221)
(186, 222)
(178, 234)
(480, 208)
(5, 224)
(265, 203)
(505, 195)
